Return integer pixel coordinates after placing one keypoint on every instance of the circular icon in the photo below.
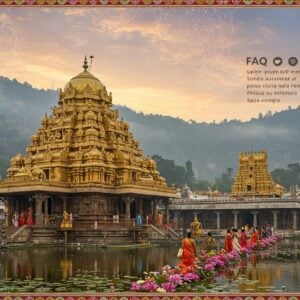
(277, 61)
(293, 61)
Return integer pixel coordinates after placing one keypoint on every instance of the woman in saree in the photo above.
(254, 237)
(235, 241)
(159, 219)
(228, 241)
(189, 254)
(243, 238)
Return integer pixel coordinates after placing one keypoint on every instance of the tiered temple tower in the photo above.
(253, 178)
(84, 160)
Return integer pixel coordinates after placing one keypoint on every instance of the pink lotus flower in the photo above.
(169, 286)
(176, 279)
(135, 287)
(209, 267)
(189, 277)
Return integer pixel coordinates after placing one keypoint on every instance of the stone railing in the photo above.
(216, 200)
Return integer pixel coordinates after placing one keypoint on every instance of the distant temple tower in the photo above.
(253, 178)
(83, 160)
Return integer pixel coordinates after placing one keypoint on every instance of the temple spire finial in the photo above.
(85, 64)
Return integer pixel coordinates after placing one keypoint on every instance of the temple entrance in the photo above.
(245, 218)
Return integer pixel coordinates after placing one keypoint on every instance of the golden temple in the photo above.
(253, 178)
(83, 160)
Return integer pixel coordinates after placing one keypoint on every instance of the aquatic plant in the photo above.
(171, 280)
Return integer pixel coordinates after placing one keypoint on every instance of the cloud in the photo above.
(188, 63)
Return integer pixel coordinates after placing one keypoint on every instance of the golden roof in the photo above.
(84, 142)
(85, 80)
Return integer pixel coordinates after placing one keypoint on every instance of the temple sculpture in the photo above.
(196, 228)
(253, 178)
(83, 160)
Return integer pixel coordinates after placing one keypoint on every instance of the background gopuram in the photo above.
(83, 160)
(253, 178)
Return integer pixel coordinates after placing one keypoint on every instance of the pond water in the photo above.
(273, 269)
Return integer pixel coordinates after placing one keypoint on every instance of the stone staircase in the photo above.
(21, 235)
(43, 235)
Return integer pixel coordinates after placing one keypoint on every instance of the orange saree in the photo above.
(254, 238)
(188, 256)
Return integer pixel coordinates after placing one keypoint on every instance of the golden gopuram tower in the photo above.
(83, 160)
(253, 178)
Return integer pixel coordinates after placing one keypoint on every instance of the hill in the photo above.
(212, 148)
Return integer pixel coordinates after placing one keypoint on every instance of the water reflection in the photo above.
(266, 271)
(263, 271)
(56, 263)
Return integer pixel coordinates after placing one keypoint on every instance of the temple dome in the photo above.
(83, 81)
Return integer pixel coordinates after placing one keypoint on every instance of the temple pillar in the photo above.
(295, 215)
(38, 209)
(46, 211)
(235, 220)
(167, 211)
(175, 219)
(155, 211)
(218, 213)
(6, 212)
(127, 210)
(254, 213)
(275, 212)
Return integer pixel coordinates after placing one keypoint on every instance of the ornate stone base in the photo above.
(150, 296)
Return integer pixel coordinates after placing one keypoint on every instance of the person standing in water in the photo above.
(189, 254)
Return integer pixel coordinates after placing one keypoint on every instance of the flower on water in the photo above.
(161, 290)
(230, 256)
(150, 286)
(245, 250)
(209, 267)
(169, 286)
(176, 279)
(135, 287)
(191, 277)
(220, 263)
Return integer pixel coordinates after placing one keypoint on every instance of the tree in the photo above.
(170, 171)
(287, 177)
(225, 182)
(190, 175)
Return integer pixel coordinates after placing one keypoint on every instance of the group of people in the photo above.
(139, 220)
(23, 218)
(234, 240)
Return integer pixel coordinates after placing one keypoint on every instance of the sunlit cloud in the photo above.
(188, 63)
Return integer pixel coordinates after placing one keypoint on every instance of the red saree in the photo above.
(228, 243)
(243, 239)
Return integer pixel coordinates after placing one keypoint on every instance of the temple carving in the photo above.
(84, 160)
(253, 177)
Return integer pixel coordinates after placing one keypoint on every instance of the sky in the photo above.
(187, 62)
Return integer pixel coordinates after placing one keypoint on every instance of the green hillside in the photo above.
(212, 148)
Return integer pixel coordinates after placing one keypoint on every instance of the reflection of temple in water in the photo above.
(63, 262)
(83, 160)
